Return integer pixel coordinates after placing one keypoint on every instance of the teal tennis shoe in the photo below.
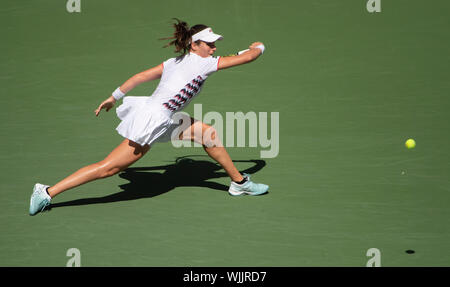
(247, 188)
(39, 199)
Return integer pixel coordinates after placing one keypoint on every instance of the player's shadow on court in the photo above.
(145, 182)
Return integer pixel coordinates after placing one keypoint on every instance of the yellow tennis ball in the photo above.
(410, 143)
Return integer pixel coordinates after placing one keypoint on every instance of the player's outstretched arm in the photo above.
(254, 51)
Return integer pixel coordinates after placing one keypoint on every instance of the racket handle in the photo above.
(243, 51)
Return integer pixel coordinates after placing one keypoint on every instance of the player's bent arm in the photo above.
(142, 77)
(244, 58)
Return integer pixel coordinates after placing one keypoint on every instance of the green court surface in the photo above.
(349, 86)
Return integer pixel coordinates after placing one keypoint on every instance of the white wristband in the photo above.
(261, 47)
(117, 94)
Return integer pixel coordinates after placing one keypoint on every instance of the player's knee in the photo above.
(111, 172)
(106, 170)
(210, 137)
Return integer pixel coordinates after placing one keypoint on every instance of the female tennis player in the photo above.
(146, 120)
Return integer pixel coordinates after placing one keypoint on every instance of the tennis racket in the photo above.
(238, 53)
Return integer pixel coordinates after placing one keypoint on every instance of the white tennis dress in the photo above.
(146, 120)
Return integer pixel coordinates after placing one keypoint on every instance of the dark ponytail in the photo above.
(182, 36)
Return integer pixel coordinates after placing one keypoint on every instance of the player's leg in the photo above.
(125, 154)
(120, 158)
(207, 136)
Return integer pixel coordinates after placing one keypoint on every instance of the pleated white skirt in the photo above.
(144, 121)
